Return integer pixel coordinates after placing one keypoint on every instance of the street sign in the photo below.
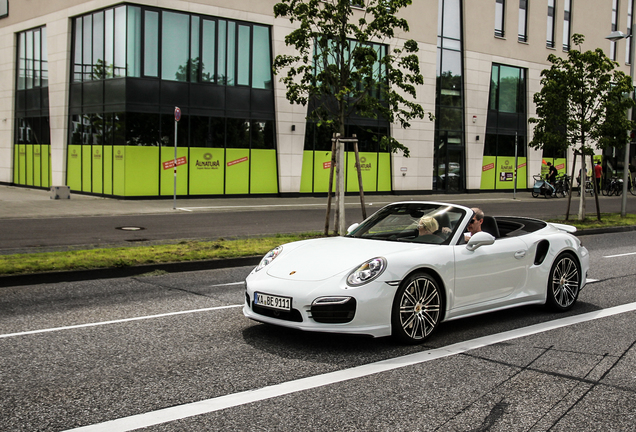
(177, 113)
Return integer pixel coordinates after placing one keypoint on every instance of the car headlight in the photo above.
(366, 272)
(269, 257)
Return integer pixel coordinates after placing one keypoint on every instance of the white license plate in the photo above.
(272, 301)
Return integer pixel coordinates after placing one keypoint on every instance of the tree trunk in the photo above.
(583, 180)
(596, 191)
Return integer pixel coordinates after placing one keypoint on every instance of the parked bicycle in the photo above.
(613, 186)
(562, 185)
(589, 186)
(631, 184)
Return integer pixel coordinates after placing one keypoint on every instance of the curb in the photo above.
(119, 272)
(593, 231)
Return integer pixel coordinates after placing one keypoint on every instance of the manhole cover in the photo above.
(130, 228)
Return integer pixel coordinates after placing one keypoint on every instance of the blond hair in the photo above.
(429, 223)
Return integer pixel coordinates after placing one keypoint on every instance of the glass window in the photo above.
(151, 44)
(231, 53)
(22, 61)
(174, 46)
(142, 129)
(243, 67)
(87, 52)
(208, 51)
(194, 50)
(98, 46)
(120, 42)
(550, 28)
(566, 25)
(220, 70)
(262, 134)
(261, 62)
(207, 132)
(36, 58)
(452, 24)
(133, 54)
(238, 133)
(45, 59)
(499, 18)
(167, 130)
(523, 20)
(109, 41)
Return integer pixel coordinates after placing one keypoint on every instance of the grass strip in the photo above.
(608, 220)
(138, 255)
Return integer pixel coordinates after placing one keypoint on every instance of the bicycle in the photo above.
(589, 187)
(562, 185)
(631, 184)
(613, 186)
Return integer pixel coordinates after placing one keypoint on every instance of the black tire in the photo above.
(564, 283)
(605, 190)
(417, 309)
(534, 194)
(632, 188)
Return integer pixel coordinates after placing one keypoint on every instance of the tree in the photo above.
(582, 103)
(340, 67)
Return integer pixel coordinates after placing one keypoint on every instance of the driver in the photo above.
(474, 226)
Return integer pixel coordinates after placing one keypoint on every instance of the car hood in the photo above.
(320, 259)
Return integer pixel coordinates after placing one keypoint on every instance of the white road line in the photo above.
(619, 255)
(237, 399)
(589, 281)
(117, 321)
(227, 284)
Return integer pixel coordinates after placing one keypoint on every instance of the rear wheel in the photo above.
(564, 282)
(417, 309)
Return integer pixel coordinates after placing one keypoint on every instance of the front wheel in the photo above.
(564, 283)
(534, 194)
(417, 309)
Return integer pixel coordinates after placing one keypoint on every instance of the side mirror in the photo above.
(480, 239)
(352, 227)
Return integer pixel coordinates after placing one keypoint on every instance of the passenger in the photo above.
(426, 226)
(474, 226)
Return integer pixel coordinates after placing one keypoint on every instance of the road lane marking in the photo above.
(227, 284)
(619, 255)
(179, 412)
(123, 320)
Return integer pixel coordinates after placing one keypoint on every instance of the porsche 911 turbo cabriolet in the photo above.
(409, 267)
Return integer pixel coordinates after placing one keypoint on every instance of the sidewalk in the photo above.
(19, 202)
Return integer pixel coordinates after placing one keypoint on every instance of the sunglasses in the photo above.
(472, 221)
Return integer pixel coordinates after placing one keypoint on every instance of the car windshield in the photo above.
(412, 222)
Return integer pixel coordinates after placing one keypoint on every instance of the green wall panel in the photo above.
(87, 168)
(488, 172)
(108, 169)
(22, 164)
(369, 170)
(37, 164)
(74, 168)
(29, 164)
(322, 162)
(45, 156)
(237, 169)
(98, 169)
(207, 171)
(141, 171)
(167, 175)
(16, 163)
(119, 170)
(263, 173)
(504, 167)
(384, 172)
(307, 174)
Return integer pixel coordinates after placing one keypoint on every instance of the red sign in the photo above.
(522, 165)
(488, 167)
(326, 165)
(237, 161)
(177, 113)
(170, 164)
(560, 167)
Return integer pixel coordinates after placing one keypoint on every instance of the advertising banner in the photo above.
(207, 171)
(263, 172)
(167, 170)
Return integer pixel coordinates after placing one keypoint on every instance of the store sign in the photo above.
(237, 161)
(170, 164)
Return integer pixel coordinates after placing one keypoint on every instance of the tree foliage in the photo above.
(338, 70)
(583, 102)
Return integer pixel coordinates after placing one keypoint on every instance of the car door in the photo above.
(489, 272)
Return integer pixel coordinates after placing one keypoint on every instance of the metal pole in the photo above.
(632, 52)
(514, 192)
(174, 203)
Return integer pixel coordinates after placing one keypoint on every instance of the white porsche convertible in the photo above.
(389, 276)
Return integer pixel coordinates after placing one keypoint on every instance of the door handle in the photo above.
(520, 254)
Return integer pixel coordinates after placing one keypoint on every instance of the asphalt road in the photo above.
(89, 222)
(152, 351)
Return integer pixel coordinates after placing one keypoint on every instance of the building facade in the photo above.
(89, 90)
